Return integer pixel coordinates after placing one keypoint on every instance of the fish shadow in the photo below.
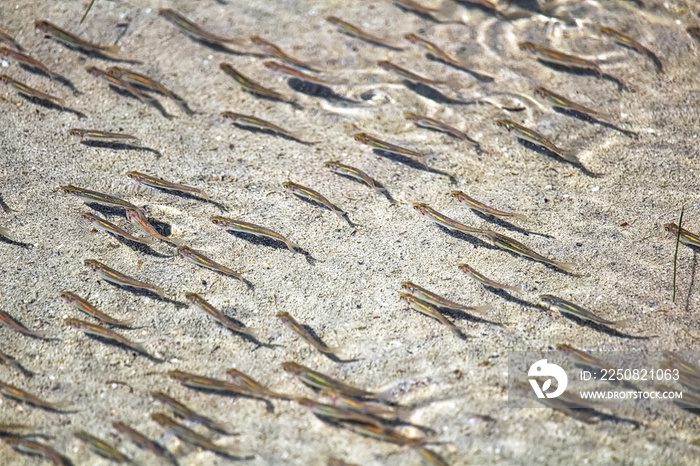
(179, 100)
(53, 76)
(107, 211)
(475, 74)
(324, 207)
(51, 105)
(270, 132)
(148, 294)
(466, 316)
(100, 55)
(269, 407)
(17, 365)
(270, 98)
(374, 42)
(586, 72)
(139, 247)
(473, 240)
(218, 47)
(108, 341)
(603, 328)
(413, 164)
(65, 461)
(317, 90)
(328, 354)
(544, 151)
(589, 119)
(271, 243)
(193, 197)
(509, 297)
(381, 187)
(433, 94)
(507, 225)
(119, 146)
(13, 242)
(149, 100)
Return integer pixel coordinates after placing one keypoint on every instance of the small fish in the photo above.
(276, 66)
(252, 229)
(16, 325)
(7, 39)
(146, 82)
(98, 198)
(115, 80)
(279, 53)
(425, 308)
(203, 305)
(560, 58)
(466, 268)
(567, 307)
(300, 330)
(476, 205)
(511, 245)
(188, 414)
(436, 125)
(383, 433)
(378, 144)
(30, 91)
(432, 48)
(102, 448)
(536, 138)
(138, 218)
(198, 382)
(254, 386)
(694, 32)
(144, 442)
(686, 237)
(336, 413)
(10, 361)
(388, 412)
(30, 447)
(347, 170)
(406, 74)
(6, 52)
(320, 381)
(431, 457)
(354, 31)
(72, 40)
(559, 101)
(96, 330)
(159, 183)
(18, 394)
(253, 87)
(260, 124)
(187, 435)
(102, 136)
(118, 278)
(437, 300)
(82, 305)
(444, 221)
(109, 227)
(197, 258)
(308, 193)
(627, 41)
(585, 358)
(191, 29)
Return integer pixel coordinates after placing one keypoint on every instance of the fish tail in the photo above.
(111, 48)
(479, 309)
(159, 291)
(565, 266)
(624, 323)
(520, 217)
(293, 247)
